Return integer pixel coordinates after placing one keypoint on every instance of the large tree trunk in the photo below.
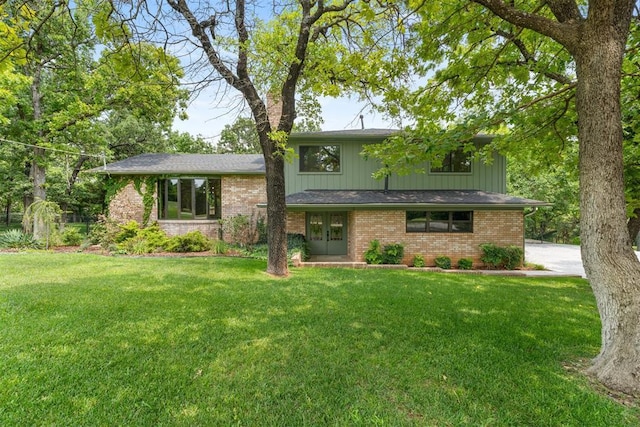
(38, 172)
(610, 263)
(277, 263)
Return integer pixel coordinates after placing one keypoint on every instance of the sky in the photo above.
(207, 117)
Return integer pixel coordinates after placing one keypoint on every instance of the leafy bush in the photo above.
(103, 232)
(194, 241)
(373, 255)
(443, 262)
(16, 239)
(393, 253)
(144, 241)
(71, 237)
(465, 264)
(127, 231)
(243, 230)
(494, 256)
(418, 261)
(296, 242)
(514, 257)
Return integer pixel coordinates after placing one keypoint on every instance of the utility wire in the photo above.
(97, 156)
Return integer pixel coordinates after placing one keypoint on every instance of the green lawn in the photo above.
(92, 340)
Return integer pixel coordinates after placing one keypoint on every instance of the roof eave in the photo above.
(404, 206)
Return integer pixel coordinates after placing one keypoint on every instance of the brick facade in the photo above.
(240, 195)
(127, 205)
(500, 227)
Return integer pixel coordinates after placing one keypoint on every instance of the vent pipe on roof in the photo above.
(361, 121)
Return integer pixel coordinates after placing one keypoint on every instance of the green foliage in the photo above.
(104, 232)
(71, 236)
(241, 230)
(418, 261)
(42, 217)
(465, 264)
(194, 241)
(443, 262)
(373, 254)
(297, 242)
(241, 137)
(494, 256)
(135, 240)
(127, 231)
(17, 239)
(393, 253)
(219, 247)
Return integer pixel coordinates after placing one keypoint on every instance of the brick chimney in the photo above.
(274, 109)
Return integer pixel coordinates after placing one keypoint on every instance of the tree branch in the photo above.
(564, 32)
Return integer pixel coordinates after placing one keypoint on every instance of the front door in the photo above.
(327, 233)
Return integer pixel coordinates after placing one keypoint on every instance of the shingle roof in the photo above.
(406, 198)
(351, 133)
(156, 164)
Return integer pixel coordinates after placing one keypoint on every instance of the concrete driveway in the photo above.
(556, 257)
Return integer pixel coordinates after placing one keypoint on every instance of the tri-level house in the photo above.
(332, 197)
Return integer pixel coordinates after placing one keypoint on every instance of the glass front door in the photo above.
(327, 233)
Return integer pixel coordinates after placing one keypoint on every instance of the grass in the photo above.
(91, 340)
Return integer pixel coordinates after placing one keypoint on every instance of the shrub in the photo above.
(219, 247)
(243, 230)
(373, 255)
(16, 239)
(393, 253)
(71, 237)
(103, 232)
(418, 261)
(514, 256)
(194, 241)
(127, 231)
(508, 257)
(443, 262)
(140, 240)
(296, 242)
(465, 264)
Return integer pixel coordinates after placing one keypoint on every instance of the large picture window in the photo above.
(320, 158)
(454, 162)
(439, 221)
(189, 198)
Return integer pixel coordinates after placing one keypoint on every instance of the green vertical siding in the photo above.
(356, 174)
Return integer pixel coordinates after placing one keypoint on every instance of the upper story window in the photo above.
(320, 158)
(439, 221)
(189, 198)
(454, 162)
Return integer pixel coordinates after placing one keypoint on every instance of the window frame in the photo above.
(448, 163)
(196, 203)
(301, 157)
(427, 228)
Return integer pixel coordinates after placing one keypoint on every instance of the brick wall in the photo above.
(296, 222)
(502, 228)
(240, 195)
(127, 205)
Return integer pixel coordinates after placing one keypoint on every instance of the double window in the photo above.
(320, 158)
(439, 221)
(454, 162)
(189, 198)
